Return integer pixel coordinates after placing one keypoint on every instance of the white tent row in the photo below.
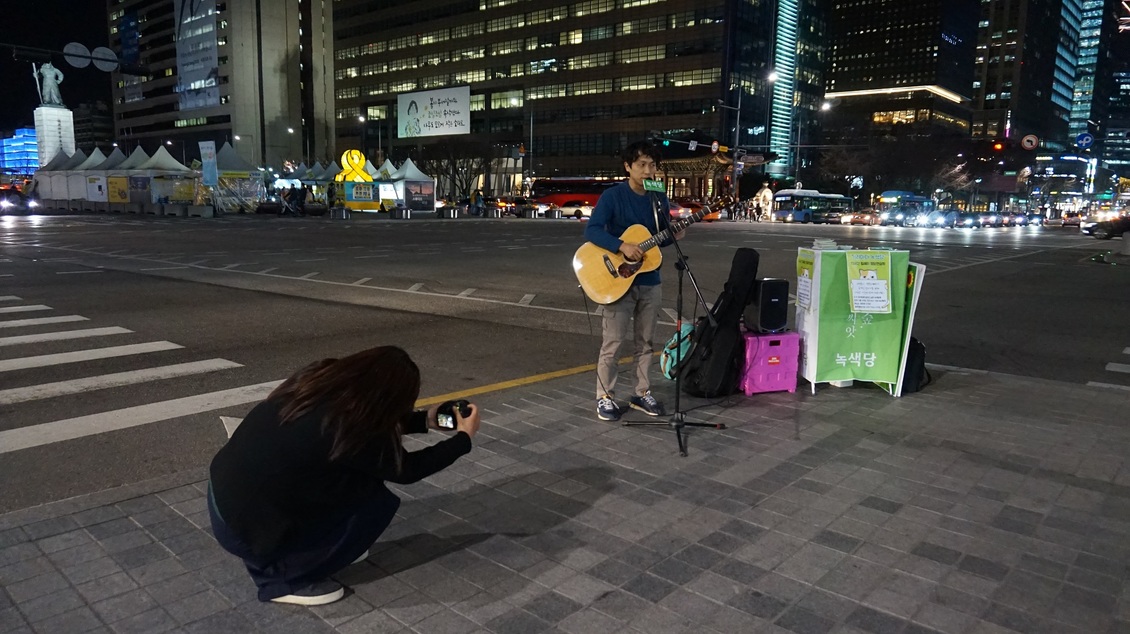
(138, 178)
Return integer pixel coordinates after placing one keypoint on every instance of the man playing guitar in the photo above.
(620, 207)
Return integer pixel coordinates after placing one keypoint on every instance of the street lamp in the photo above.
(737, 130)
(364, 135)
(170, 144)
(251, 141)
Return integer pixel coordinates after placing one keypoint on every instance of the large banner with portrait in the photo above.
(198, 68)
(434, 112)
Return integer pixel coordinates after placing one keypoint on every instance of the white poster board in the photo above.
(434, 112)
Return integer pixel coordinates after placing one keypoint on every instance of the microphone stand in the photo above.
(678, 419)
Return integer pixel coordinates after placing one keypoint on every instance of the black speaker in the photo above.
(768, 308)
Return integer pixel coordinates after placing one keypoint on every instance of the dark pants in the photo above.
(303, 564)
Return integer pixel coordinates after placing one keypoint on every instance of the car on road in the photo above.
(689, 207)
(1072, 219)
(945, 218)
(14, 201)
(865, 217)
(1036, 219)
(898, 216)
(521, 207)
(968, 220)
(991, 219)
(832, 216)
(1107, 229)
(576, 209)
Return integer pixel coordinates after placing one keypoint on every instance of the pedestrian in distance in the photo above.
(633, 317)
(298, 492)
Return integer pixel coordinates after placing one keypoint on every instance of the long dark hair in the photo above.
(364, 397)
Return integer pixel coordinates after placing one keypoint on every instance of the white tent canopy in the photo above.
(332, 170)
(115, 159)
(78, 158)
(162, 161)
(95, 158)
(409, 172)
(386, 171)
(227, 160)
(58, 162)
(136, 159)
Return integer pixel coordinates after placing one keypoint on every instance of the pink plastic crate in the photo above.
(771, 362)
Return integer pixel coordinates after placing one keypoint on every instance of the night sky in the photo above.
(49, 24)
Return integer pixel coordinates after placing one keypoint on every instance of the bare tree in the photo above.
(457, 165)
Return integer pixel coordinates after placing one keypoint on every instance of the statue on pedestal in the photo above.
(49, 89)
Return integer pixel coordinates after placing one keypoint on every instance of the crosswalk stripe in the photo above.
(71, 428)
(41, 321)
(118, 379)
(22, 363)
(63, 335)
(24, 309)
(9, 298)
(1118, 367)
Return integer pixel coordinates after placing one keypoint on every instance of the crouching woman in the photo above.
(298, 492)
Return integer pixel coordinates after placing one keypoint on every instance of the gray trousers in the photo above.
(638, 308)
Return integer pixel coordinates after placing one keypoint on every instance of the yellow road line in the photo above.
(506, 385)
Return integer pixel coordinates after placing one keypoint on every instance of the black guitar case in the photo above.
(717, 355)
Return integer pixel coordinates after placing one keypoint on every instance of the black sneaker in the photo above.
(647, 404)
(607, 409)
(319, 593)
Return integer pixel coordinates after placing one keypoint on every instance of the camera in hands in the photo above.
(445, 415)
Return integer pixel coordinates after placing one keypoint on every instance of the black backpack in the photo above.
(916, 376)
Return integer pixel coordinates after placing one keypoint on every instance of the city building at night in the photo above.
(566, 85)
(898, 69)
(19, 153)
(254, 73)
(1094, 77)
(1027, 56)
(94, 126)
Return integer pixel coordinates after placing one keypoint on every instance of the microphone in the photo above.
(652, 187)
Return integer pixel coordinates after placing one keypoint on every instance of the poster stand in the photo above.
(855, 311)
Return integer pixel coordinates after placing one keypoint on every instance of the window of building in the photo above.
(546, 92)
(639, 82)
(472, 52)
(467, 30)
(468, 77)
(547, 15)
(434, 37)
(506, 99)
(590, 87)
(591, 7)
(645, 54)
(506, 48)
(694, 77)
(478, 103)
(403, 86)
(645, 25)
(506, 23)
(593, 60)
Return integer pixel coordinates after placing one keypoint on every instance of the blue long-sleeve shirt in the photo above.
(619, 208)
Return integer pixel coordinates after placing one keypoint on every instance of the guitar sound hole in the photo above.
(628, 269)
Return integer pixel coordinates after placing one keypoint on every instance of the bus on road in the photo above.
(561, 191)
(809, 205)
(903, 208)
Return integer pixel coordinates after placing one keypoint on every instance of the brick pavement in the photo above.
(986, 504)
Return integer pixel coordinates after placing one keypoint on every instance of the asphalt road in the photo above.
(225, 307)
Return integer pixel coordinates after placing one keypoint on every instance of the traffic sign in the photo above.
(692, 145)
(714, 147)
(753, 159)
(1085, 140)
(1029, 142)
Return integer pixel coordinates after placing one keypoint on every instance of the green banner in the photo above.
(840, 343)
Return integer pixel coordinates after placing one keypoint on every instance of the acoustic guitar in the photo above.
(606, 276)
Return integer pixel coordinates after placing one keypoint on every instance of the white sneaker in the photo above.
(319, 593)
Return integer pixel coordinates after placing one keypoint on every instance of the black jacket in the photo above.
(274, 485)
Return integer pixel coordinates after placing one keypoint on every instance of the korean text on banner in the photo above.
(805, 272)
(869, 281)
(208, 169)
(434, 112)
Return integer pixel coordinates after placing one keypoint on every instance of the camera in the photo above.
(445, 415)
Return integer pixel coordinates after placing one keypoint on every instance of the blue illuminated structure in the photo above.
(20, 153)
(784, 89)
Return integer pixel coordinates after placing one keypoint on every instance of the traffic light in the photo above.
(666, 142)
(998, 146)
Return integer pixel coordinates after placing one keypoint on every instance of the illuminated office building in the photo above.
(256, 73)
(572, 82)
(1027, 56)
(899, 69)
(19, 153)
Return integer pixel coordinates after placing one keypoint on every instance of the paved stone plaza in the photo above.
(987, 503)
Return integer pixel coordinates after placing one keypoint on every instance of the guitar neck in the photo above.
(677, 226)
